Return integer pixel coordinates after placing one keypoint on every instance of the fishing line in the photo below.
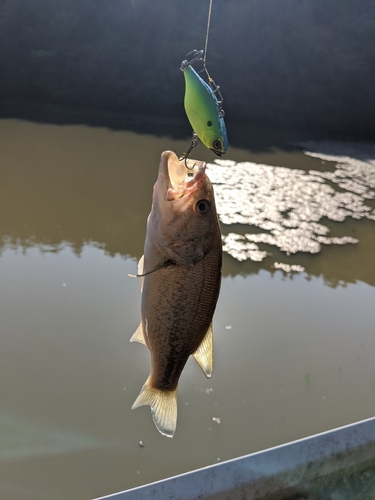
(203, 102)
(214, 87)
(207, 32)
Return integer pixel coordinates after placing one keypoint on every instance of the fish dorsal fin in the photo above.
(203, 355)
(138, 336)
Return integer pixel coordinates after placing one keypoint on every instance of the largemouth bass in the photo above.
(181, 274)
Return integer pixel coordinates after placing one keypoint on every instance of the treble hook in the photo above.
(197, 57)
(185, 156)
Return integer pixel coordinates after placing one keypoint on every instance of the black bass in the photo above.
(181, 274)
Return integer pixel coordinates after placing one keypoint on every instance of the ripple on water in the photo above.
(288, 204)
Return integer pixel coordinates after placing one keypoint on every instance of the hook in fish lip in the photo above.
(190, 164)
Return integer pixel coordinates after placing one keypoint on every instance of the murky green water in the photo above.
(294, 346)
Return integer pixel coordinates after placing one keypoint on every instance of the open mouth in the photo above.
(184, 176)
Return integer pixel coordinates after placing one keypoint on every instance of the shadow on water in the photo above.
(177, 128)
(74, 185)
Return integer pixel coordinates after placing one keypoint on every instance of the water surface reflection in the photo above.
(292, 356)
(75, 185)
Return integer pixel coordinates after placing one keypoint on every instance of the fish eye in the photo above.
(209, 123)
(217, 144)
(203, 206)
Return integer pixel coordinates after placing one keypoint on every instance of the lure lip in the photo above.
(221, 141)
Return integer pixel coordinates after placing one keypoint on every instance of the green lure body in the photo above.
(204, 113)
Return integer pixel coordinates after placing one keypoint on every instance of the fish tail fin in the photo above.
(163, 407)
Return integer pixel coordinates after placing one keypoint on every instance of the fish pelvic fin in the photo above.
(163, 407)
(204, 354)
(138, 335)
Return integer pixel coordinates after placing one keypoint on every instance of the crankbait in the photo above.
(203, 109)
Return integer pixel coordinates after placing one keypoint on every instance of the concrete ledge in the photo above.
(268, 472)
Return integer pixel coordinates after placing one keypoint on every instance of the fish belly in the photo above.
(177, 308)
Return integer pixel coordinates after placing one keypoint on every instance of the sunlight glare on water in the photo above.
(289, 204)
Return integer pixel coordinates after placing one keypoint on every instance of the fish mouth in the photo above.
(180, 177)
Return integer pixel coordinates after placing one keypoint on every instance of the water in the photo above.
(294, 343)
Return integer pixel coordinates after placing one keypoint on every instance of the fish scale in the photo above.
(180, 318)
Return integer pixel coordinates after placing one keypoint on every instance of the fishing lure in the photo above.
(203, 109)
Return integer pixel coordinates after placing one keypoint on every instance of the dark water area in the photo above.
(242, 134)
(293, 329)
(295, 64)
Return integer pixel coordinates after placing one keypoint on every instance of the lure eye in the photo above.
(202, 207)
(217, 144)
(209, 123)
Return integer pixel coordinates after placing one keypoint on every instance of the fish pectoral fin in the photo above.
(138, 335)
(204, 354)
(141, 265)
(163, 407)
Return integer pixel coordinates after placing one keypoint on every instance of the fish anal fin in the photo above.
(138, 336)
(163, 407)
(204, 354)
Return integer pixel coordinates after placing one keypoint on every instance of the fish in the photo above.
(181, 277)
(203, 111)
